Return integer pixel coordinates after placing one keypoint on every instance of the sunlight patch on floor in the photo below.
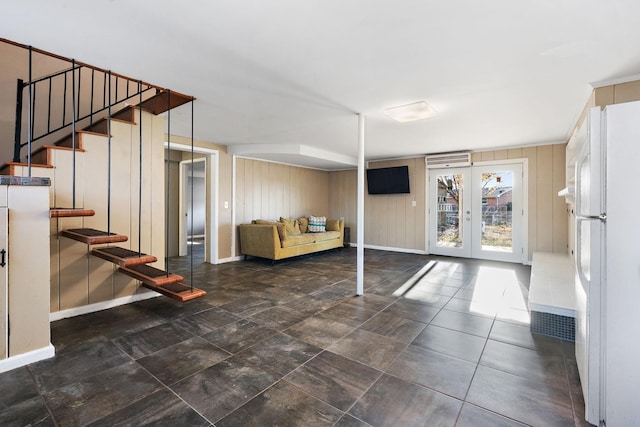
(406, 286)
(498, 291)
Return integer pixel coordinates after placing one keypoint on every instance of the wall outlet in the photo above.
(413, 203)
(226, 205)
(341, 218)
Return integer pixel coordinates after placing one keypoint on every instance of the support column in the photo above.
(360, 208)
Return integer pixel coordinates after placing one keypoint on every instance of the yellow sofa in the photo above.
(271, 240)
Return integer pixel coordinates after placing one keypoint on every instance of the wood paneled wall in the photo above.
(608, 95)
(172, 204)
(391, 221)
(15, 65)
(267, 190)
(343, 198)
(225, 212)
(617, 93)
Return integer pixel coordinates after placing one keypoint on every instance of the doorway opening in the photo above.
(199, 240)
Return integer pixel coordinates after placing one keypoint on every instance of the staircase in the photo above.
(131, 263)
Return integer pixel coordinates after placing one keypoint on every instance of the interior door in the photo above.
(450, 212)
(497, 212)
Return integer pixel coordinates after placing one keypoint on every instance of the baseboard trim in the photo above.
(391, 249)
(230, 259)
(91, 308)
(27, 358)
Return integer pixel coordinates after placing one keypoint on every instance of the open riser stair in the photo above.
(70, 212)
(91, 236)
(135, 264)
(75, 231)
(123, 257)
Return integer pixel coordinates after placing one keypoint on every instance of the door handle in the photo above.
(602, 217)
(3, 254)
(579, 220)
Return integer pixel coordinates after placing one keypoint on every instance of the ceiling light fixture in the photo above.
(410, 112)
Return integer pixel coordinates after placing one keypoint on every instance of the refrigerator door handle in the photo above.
(579, 219)
(581, 276)
(602, 217)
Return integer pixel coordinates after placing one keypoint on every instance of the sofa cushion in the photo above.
(282, 233)
(264, 222)
(291, 226)
(328, 235)
(333, 225)
(298, 239)
(304, 224)
(317, 224)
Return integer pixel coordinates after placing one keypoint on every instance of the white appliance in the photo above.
(608, 265)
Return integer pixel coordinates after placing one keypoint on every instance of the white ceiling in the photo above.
(294, 73)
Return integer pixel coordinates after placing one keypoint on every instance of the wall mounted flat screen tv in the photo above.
(393, 180)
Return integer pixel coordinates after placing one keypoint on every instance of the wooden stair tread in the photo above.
(53, 147)
(123, 257)
(60, 147)
(91, 236)
(177, 291)
(150, 275)
(33, 165)
(70, 212)
(158, 103)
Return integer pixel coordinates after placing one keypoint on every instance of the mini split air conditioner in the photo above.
(449, 160)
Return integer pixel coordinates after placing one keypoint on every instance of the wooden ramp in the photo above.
(123, 257)
(91, 236)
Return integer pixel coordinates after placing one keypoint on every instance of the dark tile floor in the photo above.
(434, 342)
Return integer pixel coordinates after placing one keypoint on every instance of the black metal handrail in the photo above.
(66, 86)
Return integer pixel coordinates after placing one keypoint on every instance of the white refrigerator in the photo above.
(607, 212)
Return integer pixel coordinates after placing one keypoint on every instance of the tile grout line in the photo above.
(41, 396)
(486, 341)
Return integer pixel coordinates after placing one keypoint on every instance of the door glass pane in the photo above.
(449, 211)
(497, 224)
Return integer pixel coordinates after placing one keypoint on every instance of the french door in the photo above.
(477, 212)
(450, 212)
